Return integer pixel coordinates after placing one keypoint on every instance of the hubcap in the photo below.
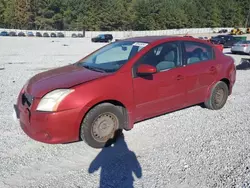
(104, 127)
(219, 96)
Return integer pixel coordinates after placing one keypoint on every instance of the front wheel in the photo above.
(102, 125)
(218, 96)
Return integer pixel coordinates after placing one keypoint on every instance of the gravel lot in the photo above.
(194, 147)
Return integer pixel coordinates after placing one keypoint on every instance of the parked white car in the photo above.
(241, 47)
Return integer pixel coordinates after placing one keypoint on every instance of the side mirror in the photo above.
(144, 69)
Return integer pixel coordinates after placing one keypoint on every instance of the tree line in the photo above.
(126, 15)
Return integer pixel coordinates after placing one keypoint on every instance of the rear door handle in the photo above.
(212, 69)
(180, 77)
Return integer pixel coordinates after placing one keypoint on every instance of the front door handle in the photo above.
(180, 77)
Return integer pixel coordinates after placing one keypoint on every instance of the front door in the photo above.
(165, 90)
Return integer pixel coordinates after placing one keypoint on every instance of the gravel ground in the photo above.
(194, 147)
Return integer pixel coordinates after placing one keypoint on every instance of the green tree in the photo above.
(2, 9)
(122, 14)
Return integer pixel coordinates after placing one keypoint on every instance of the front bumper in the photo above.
(17, 111)
(51, 128)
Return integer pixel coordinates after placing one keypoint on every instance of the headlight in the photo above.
(51, 100)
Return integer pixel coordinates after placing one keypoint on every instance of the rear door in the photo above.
(201, 70)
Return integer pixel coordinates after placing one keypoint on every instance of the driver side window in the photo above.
(164, 57)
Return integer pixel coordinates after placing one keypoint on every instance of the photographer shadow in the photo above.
(117, 164)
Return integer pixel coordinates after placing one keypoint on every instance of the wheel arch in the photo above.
(225, 80)
(111, 101)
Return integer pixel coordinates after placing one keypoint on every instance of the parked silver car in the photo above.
(241, 47)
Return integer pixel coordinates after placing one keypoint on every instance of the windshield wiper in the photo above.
(94, 68)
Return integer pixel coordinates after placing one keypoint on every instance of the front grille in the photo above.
(27, 99)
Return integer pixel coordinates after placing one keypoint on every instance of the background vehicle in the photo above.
(52, 35)
(219, 46)
(12, 34)
(80, 35)
(236, 31)
(4, 33)
(226, 40)
(203, 38)
(74, 35)
(38, 34)
(30, 34)
(242, 47)
(21, 34)
(102, 38)
(89, 106)
(45, 34)
(223, 31)
(60, 35)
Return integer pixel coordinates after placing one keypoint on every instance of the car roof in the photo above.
(150, 39)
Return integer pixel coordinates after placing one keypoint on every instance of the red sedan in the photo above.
(120, 84)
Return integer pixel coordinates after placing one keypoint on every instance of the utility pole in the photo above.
(248, 16)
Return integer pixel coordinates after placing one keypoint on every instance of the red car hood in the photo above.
(63, 77)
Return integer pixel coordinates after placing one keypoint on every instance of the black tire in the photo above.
(221, 91)
(89, 131)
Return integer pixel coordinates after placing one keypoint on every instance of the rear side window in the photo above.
(108, 36)
(196, 52)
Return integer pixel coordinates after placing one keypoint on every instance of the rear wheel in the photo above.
(218, 96)
(102, 125)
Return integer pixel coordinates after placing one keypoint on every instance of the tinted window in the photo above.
(109, 36)
(163, 57)
(101, 36)
(197, 52)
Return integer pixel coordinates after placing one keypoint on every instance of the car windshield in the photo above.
(112, 57)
